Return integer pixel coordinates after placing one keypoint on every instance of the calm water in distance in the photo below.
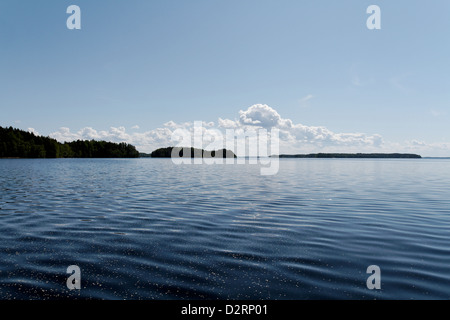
(149, 229)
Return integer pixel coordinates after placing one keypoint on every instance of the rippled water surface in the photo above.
(149, 229)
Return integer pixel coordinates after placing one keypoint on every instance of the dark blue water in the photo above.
(149, 229)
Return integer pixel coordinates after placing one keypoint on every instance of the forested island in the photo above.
(353, 155)
(16, 143)
(193, 153)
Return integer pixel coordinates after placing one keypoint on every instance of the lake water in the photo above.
(149, 229)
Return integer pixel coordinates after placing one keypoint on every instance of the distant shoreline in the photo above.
(351, 156)
(435, 157)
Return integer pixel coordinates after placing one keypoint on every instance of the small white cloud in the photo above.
(136, 127)
(32, 130)
(260, 115)
(208, 124)
(306, 98)
(173, 125)
(437, 113)
(227, 123)
(170, 124)
(417, 143)
(304, 102)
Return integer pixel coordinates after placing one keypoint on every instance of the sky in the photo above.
(139, 69)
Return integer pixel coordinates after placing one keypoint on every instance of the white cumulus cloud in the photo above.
(294, 137)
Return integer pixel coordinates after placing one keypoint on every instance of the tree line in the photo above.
(16, 143)
(353, 155)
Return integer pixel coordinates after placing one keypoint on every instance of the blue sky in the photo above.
(145, 63)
